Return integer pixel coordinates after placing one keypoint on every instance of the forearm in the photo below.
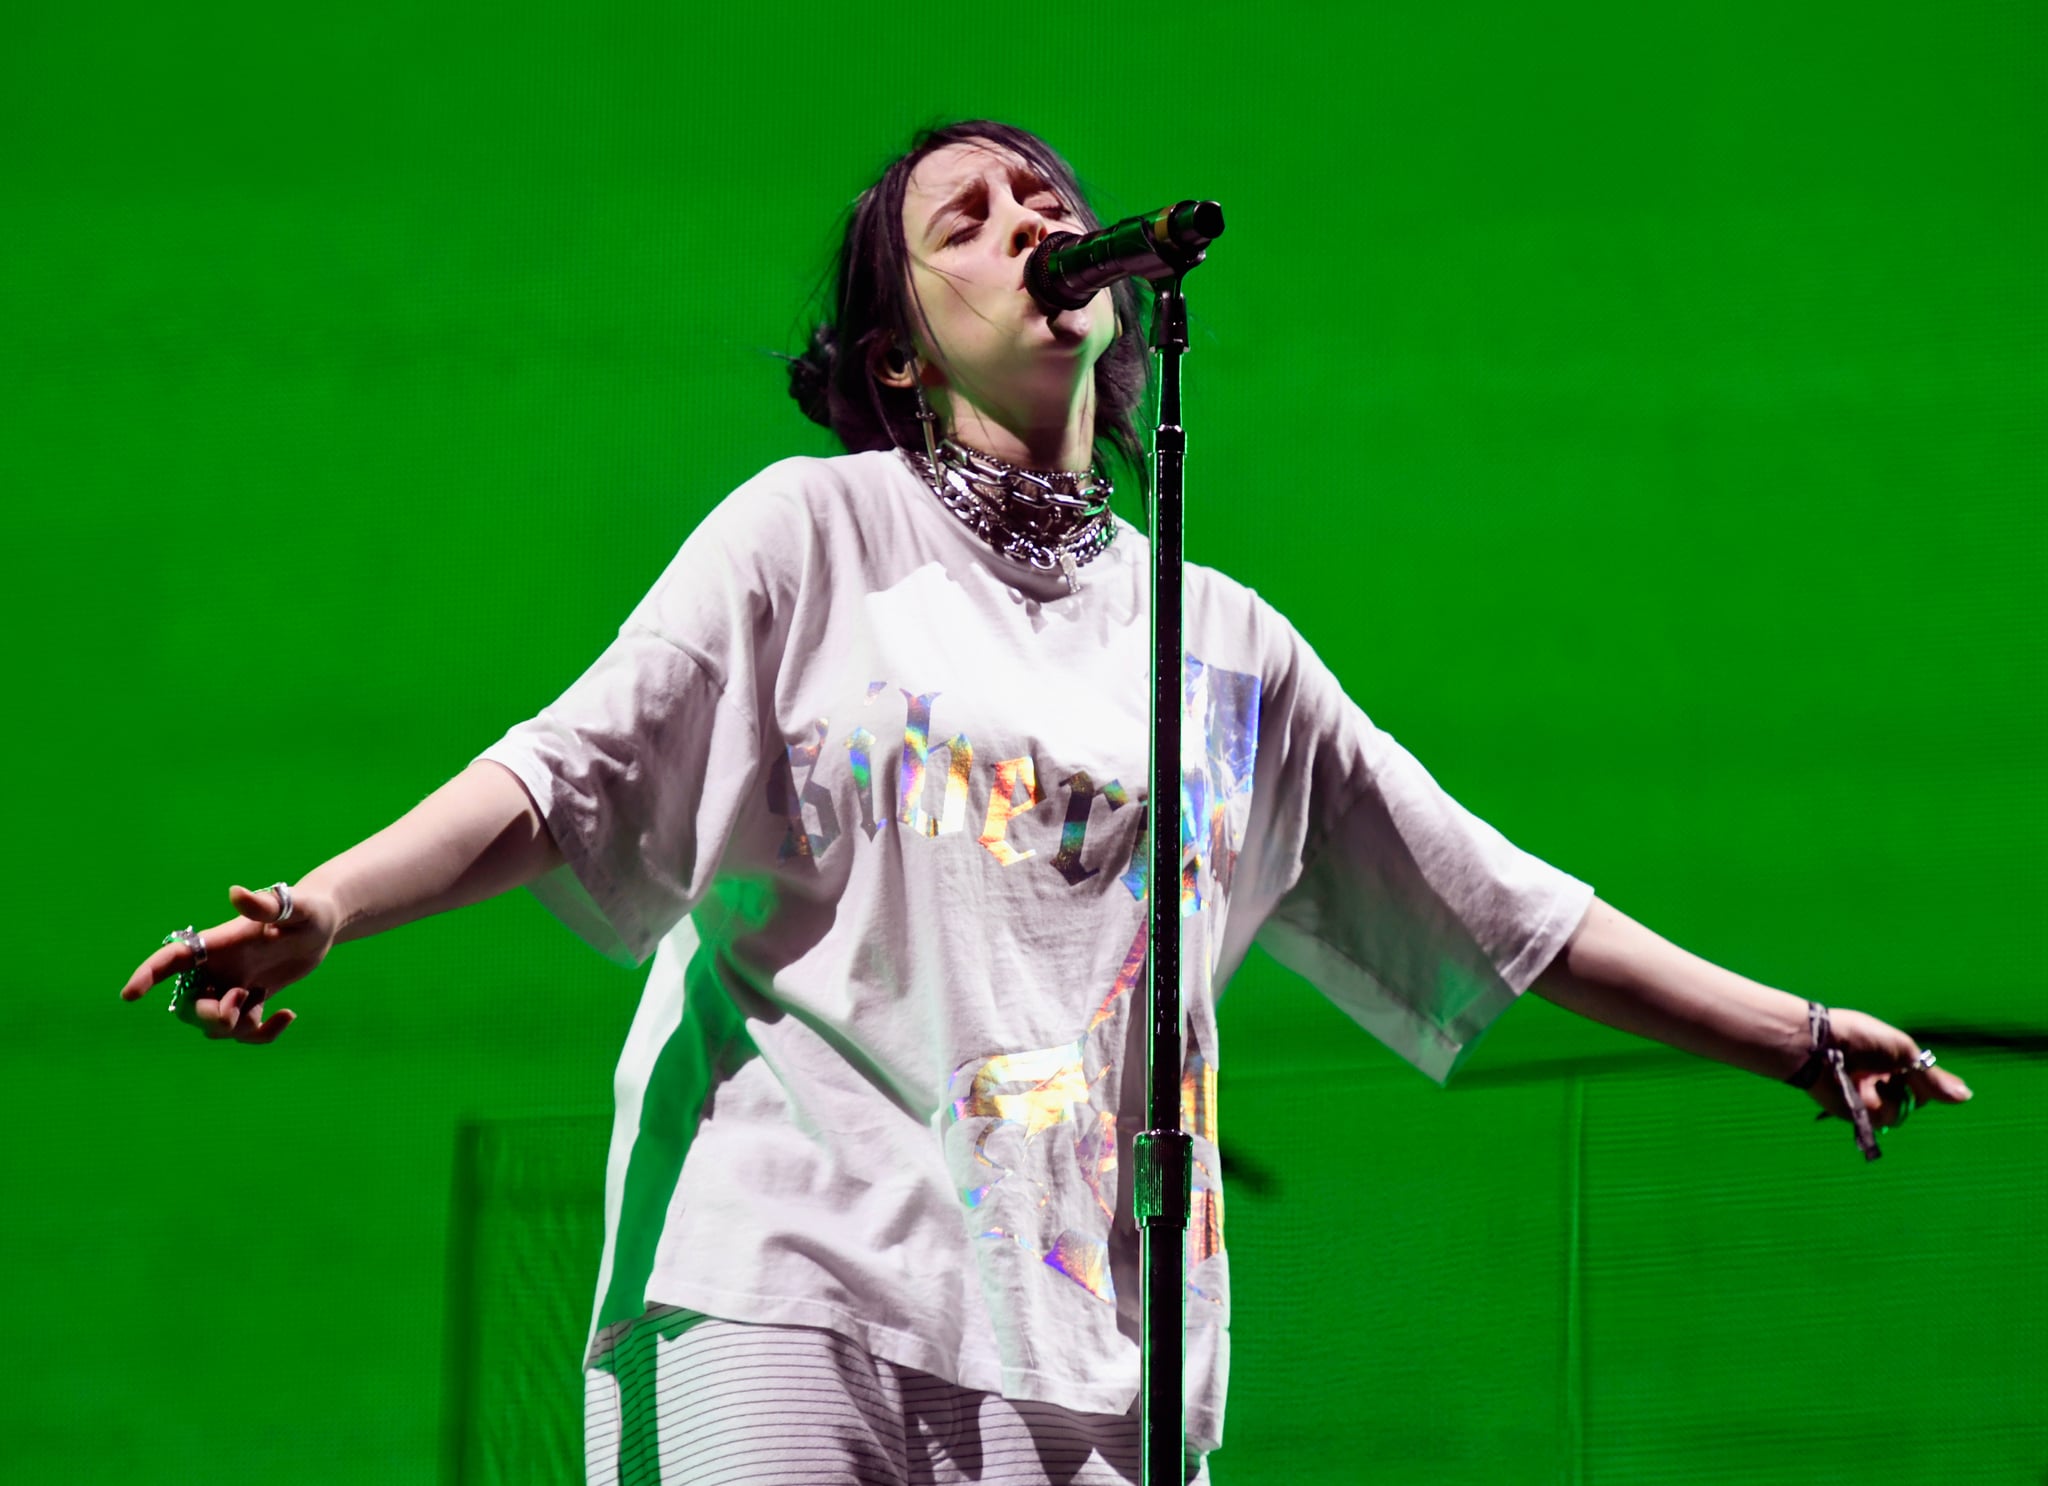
(1617, 972)
(476, 836)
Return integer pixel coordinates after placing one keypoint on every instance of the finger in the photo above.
(210, 1016)
(205, 1013)
(249, 1017)
(1828, 1094)
(180, 955)
(226, 1014)
(263, 906)
(1874, 1092)
(1893, 1100)
(1898, 1101)
(1933, 1084)
(270, 1028)
(157, 968)
(1902, 1095)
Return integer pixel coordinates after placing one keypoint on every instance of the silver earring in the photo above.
(926, 417)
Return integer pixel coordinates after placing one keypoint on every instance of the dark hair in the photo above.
(871, 306)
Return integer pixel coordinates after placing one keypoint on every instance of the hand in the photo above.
(248, 958)
(1878, 1056)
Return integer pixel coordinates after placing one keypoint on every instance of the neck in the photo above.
(1067, 444)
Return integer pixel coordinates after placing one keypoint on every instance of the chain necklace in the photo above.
(1049, 519)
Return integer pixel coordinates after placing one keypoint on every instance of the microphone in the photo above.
(1066, 269)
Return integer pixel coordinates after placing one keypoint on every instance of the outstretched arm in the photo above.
(478, 835)
(475, 837)
(1617, 972)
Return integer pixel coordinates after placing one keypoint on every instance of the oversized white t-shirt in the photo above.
(872, 796)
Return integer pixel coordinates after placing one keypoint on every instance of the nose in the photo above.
(1029, 232)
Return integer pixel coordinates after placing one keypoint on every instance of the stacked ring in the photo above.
(187, 981)
(1907, 1103)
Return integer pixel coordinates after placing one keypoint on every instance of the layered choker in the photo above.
(1052, 520)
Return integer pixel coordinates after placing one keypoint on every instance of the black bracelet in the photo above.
(1823, 1037)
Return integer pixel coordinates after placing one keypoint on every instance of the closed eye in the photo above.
(968, 229)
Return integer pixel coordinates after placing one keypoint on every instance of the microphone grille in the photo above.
(1042, 283)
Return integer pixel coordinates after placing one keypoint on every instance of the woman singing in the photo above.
(865, 774)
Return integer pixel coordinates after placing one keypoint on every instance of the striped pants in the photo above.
(685, 1400)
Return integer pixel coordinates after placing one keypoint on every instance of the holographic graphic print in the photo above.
(960, 760)
(1031, 1142)
(1220, 745)
(1036, 1090)
(917, 732)
(860, 744)
(1198, 1118)
(1034, 1135)
(1219, 748)
(788, 799)
(860, 750)
(1015, 793)
(1074, 830)
(1035, 1157)
(1085, 1261)
(1126, 978)
(1137, 878)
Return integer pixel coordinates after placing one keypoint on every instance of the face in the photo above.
(972, 213)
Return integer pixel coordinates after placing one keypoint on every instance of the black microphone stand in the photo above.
(1163, 1172)
(1162, 1156)
(1062, 273)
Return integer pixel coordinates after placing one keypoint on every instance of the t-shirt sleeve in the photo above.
(641, 766)
(1419, 919)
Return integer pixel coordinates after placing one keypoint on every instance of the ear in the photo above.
(892, 367)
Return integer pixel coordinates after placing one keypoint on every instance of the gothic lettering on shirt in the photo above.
(1081, 795)
(1015, 793)
(787, 798)
(934, 782)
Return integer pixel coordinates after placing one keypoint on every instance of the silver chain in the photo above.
(1052, 520)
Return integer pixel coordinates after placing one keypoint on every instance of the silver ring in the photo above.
(284, 898)
(185, 984)
(186, 936)
(1925, 1060)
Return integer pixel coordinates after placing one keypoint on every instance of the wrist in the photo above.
(1813, 1048)
(319, 897)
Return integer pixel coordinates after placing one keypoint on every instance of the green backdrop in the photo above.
(1641, 411)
